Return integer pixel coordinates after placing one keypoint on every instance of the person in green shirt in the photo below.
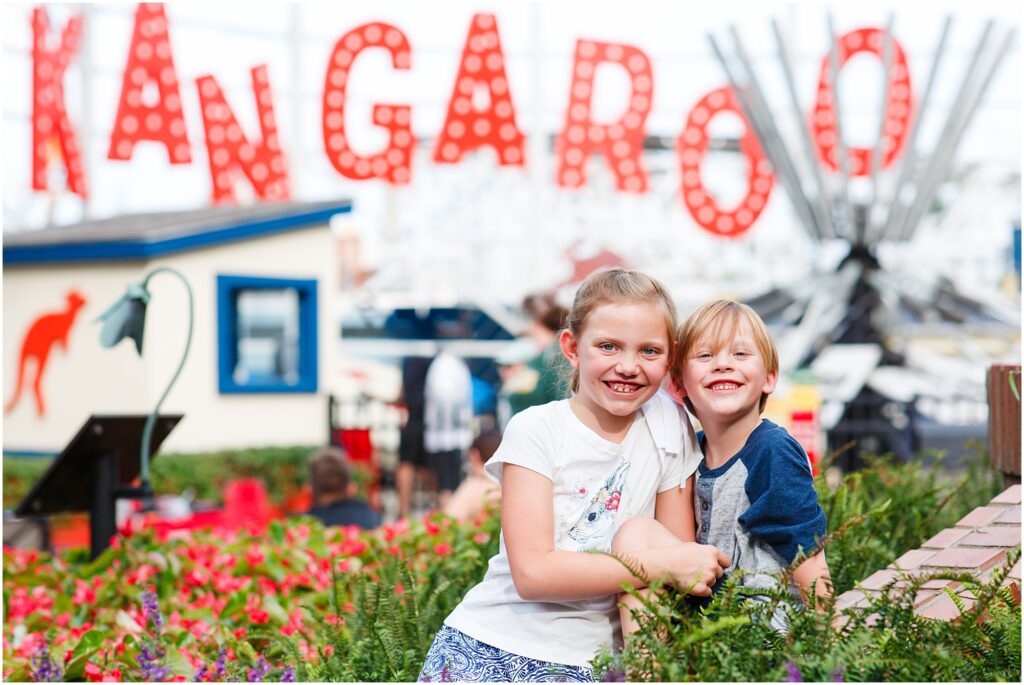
(542, 378)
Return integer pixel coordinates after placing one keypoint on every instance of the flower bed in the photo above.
(298, 600)
(216, 605)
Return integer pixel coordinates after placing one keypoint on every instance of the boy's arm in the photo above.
(814, 571)
(674, 510)
(542, 573)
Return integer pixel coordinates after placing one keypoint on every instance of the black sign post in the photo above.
(94, 471)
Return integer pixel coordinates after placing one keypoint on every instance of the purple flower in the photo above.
(837, 675)
(288, 675)
(200, 674)
(261, 669)
(793, 674)
(149, 662)
(152, 611)
(43, 670)
(219, 670)
(446, 674)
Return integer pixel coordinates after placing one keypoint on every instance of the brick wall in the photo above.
(976, 544)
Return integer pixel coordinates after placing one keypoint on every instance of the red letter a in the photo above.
(149, 61)
(467, 128)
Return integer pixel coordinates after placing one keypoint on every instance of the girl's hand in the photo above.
(655, 548)
(689, 565)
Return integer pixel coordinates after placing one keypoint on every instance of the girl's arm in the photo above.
(674, 510)
(541, 572)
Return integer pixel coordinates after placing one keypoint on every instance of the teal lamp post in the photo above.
(126, 318)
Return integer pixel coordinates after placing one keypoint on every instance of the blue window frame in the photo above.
(266, 335)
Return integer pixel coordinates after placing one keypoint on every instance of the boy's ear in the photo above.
(676, 390)
(568, 344)
(769, 382)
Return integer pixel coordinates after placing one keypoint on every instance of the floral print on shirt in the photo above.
(595, 526)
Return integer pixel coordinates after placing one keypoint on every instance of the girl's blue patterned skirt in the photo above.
(456, 657)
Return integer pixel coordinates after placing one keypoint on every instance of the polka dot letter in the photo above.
(52, 133)
(394, 163)
(468, 126)
(149, 62)
(692, 146)
(621, 143)
(897, 109)
(227, 147)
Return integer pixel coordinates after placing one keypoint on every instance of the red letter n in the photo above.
(262, 163)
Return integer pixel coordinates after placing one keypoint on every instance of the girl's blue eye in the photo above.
(703, 356)
(607, 347)
(650, 351)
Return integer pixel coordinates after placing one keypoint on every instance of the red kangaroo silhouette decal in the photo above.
(48, 330)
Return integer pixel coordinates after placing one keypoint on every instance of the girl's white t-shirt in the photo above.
(597, 485)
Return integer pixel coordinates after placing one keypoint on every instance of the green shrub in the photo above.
(922, 501)
(20, 474)
(385, 633)
(282, 469)
(733, 639)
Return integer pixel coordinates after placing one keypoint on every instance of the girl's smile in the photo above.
(622, 358)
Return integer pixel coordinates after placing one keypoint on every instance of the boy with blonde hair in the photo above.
(754, 494)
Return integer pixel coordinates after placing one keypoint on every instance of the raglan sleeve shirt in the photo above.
(784, 511)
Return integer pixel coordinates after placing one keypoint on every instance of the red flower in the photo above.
(399, 589)
(267, 586)
(431, 527)
(83, 593)
(354, 548)
(199, 628)
(259, 617)
(254, 556)
(442, 549)
(482, 538)
(196, 578)
(93, 672)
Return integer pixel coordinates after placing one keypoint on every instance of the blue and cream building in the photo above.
(263, 277)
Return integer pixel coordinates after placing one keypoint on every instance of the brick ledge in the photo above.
(976, 544)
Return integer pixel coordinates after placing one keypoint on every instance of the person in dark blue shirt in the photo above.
(754, 497)
(334, 501)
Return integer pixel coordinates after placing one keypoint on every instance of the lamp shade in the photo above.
(126, 318)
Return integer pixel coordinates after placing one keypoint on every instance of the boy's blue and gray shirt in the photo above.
(760, 507)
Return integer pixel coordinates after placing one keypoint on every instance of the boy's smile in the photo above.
(725, 384)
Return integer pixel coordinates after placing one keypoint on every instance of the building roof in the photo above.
(145, 236)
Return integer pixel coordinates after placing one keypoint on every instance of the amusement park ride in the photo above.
(846, 324)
